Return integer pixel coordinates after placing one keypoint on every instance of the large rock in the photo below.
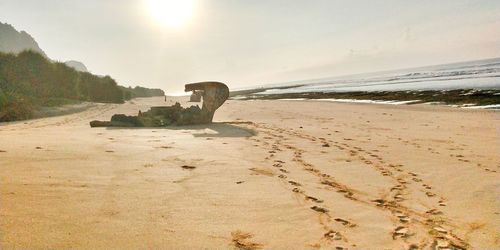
(77, 66)
(214, 95)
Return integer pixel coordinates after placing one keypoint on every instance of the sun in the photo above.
(173, 13)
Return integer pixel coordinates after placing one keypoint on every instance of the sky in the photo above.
(254, 42)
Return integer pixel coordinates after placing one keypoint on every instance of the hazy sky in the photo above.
(255, 42)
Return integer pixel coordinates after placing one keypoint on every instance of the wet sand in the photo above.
(267, 174)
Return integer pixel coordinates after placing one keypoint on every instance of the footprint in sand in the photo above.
(345, 222)
(379, 202)
(441, 243)
(430, 194)
(333, 235)
(398, 187)
(402, 217)
(187, 167)
(400, 232)
(260, 171)
(385, 172)
(319, 209)
(242, 240)
(398, 197)
(440, 230)
(442, 203)
(347, 194)
(311, 198)
(416, 179)
(401, 181)
(434, 212)
(490, 170)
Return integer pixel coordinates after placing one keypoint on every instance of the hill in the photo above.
(78, 66)
(13, 41)
(29, 80)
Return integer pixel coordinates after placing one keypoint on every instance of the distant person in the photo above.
(165, 98)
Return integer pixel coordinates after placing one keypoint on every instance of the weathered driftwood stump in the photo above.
(214, 94)
(196, 96)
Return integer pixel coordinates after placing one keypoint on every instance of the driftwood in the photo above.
(214, 94)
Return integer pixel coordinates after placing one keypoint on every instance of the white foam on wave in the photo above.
(352, 101)
(493, 106)
(466, 106)
(483, 74)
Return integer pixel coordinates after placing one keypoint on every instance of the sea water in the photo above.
(481, 74)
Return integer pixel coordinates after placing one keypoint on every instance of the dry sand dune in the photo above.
(268, 174)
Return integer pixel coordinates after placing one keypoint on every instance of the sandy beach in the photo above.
(267, 174)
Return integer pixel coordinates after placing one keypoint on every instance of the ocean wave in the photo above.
(484, 74)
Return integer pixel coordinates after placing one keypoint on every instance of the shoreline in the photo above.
(494, 107)
(469, 98)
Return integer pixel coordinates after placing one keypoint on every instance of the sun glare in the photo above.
(173, 13)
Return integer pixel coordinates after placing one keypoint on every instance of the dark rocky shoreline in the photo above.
(448, 97)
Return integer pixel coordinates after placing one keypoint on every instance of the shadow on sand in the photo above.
(216, 129)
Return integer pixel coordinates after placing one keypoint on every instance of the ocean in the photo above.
(480, 74)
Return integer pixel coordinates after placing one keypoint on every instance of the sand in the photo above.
(267, 174)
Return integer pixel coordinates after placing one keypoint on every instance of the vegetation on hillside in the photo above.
(29, 80)
(140, 92)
